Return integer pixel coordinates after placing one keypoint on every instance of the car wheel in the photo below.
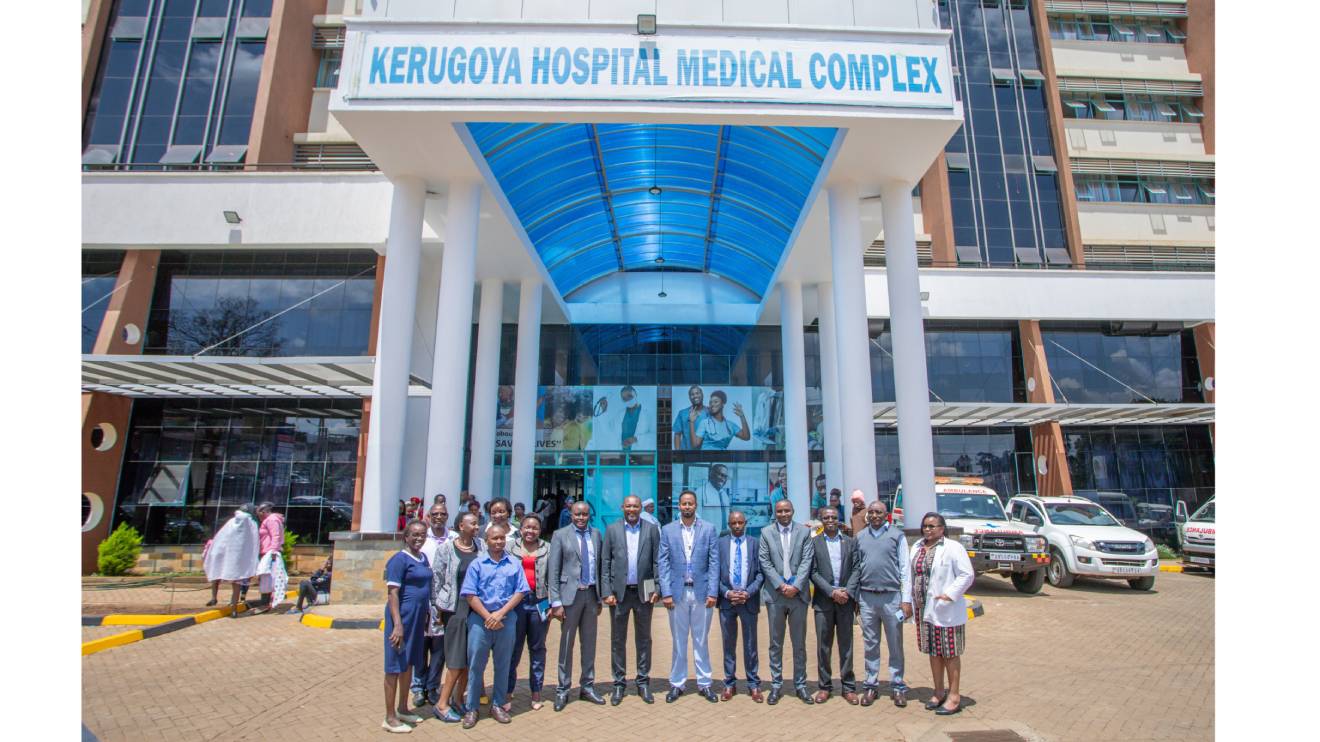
(1057, 572)
(1143, 583)
(1029, 582)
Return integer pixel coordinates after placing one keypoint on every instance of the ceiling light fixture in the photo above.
(654, 190)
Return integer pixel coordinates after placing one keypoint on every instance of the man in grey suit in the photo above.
(832, 566)
(785, 557)
(574, 571)
(879, 580)
(628, 572)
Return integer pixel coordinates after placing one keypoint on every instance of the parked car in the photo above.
(1086, 540)
(1117, 504)
(993, 543)
(1196, 535)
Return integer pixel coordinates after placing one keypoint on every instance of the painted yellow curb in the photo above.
(140, 619)
(315, 621)
(1171, 568)
(114, 640)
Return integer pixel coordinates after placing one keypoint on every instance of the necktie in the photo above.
(585, 578)
(737, 564)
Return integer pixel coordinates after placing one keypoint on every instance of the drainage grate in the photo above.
(990, 735)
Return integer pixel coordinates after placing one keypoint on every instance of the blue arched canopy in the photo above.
(595, 199)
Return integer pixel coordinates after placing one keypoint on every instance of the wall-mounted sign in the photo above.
(621, 66)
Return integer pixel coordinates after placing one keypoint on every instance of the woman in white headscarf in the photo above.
(232, 555)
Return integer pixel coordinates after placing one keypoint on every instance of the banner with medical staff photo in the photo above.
(586, 418)
(722, 487)
(715, 417)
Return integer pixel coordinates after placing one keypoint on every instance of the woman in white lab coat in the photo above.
(941, 573)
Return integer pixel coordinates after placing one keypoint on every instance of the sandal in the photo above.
(537, 705)
(936, 701)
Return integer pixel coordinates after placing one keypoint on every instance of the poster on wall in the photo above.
(727, 418)
(819, 498)
(722, 487)
(584, 418)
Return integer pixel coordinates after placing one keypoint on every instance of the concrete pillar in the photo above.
(389, 387)
(795, 398)
(911, 388)
(852, 341)
(521, 474)
(829, 388)
(485, 387)
(453, 342)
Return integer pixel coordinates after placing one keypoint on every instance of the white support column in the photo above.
(829, 382)
(852, 342)
(485, 386)
(389, 386)
(795, 398)
(525, 372)
(453, 343)
(911, 388)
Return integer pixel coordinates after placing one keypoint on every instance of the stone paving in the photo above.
(1096, 662)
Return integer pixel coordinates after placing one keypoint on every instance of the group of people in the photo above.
(475, 595)
(250, 544)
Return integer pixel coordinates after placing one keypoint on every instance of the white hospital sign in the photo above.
(622, 66)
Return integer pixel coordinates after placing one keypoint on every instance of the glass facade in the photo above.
(177, 73)
(1116, 28)
(1147, 190)
(1006, 205)
(100, 270)
(1109, 366)
(965, 362)
(263, 303)
(190, 463)
(1000, 455)
(1139, 472)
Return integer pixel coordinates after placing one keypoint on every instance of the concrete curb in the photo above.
(1171, 568)
(156, 625)
(329, 622)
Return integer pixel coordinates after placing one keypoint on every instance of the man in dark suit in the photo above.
(785, 555)
(739, 601)
(689, 581)
(628, 572)
(574, 577)
(833, 554)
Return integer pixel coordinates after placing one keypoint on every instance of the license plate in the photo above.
(1004, 557)
(1201, 560)
(1127, 570)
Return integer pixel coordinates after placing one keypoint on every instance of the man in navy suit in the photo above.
(739, 601)
(689, 580)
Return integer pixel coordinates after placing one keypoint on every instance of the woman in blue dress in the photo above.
(407, 613)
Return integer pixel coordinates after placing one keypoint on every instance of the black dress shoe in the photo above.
(900, 698)
(589, 694)
(773, 698)
(935, 702)
(709, 694)
(804, 696)
(616, 697)
(561, 700)
(645, 692)
(941, 711)
(673, 694)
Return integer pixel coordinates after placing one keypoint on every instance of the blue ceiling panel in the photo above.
(595, 199)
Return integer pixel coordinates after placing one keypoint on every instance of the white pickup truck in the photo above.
(1196, 535)
(1086, 540)
(993, 543)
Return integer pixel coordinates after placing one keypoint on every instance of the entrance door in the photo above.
(556, 484)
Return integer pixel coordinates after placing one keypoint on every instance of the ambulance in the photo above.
(1196, 536)
(976, 518)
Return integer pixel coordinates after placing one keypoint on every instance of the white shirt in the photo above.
(632, 536)
(689, 540)
(433, 543)
(785, 538)
(835, 548)
(747, 553)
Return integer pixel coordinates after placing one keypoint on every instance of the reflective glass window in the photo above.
(100, 270)
(1103, 366)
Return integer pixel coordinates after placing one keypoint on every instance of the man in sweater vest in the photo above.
(879, 579)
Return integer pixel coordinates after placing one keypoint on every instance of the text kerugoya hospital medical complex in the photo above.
(339, 254)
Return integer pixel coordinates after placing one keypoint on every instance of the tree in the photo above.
(229, 326)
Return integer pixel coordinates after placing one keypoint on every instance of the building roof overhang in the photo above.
(234, 377)
(978, 414)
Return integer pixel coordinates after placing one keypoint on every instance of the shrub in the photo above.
(1166, 551)
(119, 552)
(290, 539)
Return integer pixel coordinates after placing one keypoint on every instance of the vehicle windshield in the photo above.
(1206, 513)
(970, 506)
(1079, 514)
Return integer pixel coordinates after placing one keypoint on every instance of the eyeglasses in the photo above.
(924, 526)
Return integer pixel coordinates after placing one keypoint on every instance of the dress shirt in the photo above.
(689, 540)
(494, 583)
(786, 538)
(588, 558)
(633, 536)
(433, 542)
(739, 578)
(835, 548)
